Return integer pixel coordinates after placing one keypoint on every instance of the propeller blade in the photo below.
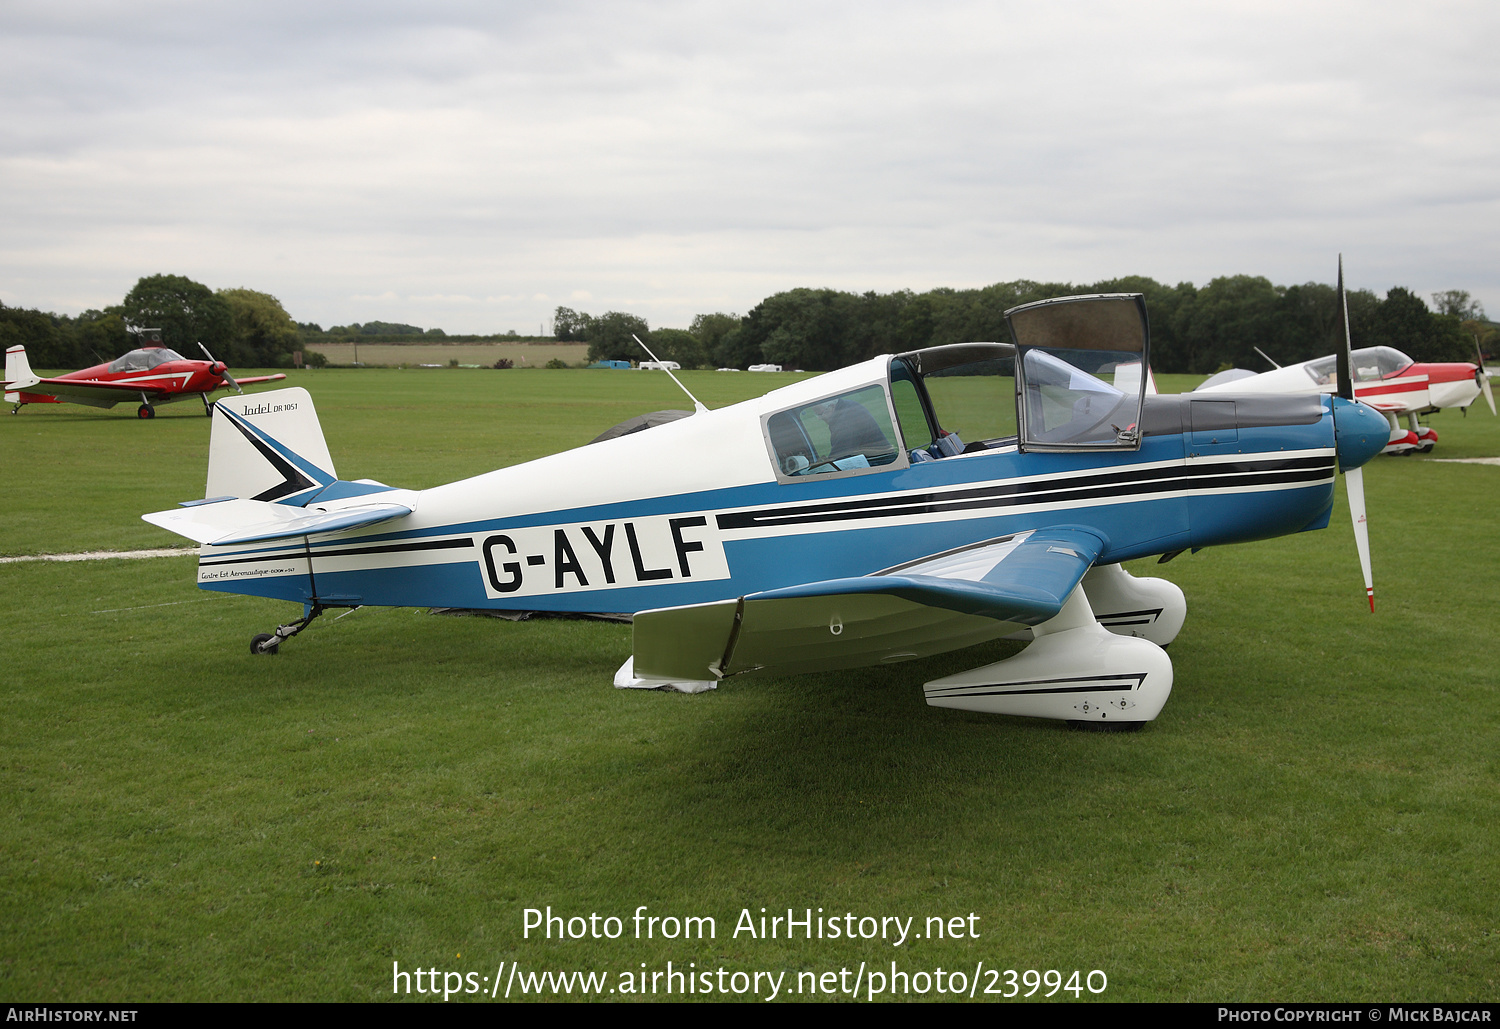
(1354, 484)
(1354, 478)
(1344, 349)
(1484, 380)
(225, 373)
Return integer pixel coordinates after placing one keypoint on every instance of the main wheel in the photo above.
(145, 411)
(257, 647)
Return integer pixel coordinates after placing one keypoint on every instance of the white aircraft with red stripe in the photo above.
(1384, 378)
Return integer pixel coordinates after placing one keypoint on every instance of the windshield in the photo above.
(1371, 364)
(1067, 405)
(143, 360)
(1083, 364)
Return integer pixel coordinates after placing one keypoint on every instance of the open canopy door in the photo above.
(1082, 368)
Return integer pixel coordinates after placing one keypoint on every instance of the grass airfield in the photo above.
(1312, 817)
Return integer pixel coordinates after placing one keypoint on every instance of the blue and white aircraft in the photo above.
(896, 509)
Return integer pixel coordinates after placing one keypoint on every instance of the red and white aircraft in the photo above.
(1384, 378)
(153, 375)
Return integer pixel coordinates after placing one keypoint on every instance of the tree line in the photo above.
(1193, 329)
(241, 327)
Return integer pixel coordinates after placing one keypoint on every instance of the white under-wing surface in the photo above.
(940, 603)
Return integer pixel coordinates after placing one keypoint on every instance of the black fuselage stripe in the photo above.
(390, 548)
(1216, 471)
(1010, 495)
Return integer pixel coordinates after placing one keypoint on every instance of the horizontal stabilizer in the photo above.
(252, 521)
(940, 603)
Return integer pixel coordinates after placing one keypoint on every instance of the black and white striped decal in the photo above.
(1144, 482)
(1128, 683)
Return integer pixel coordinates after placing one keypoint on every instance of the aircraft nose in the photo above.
(1360, 432)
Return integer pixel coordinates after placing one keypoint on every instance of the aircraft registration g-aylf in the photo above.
(896, 509)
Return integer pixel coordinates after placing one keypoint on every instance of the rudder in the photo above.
(269, 447)
(17, 373)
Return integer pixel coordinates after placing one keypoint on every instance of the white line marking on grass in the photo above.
(143, 607)
(1468, 460)
(105, 555)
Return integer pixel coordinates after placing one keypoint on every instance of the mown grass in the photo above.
(1313, 816)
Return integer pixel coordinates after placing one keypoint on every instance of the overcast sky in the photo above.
(474, 165)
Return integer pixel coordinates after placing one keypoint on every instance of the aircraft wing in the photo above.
(249, 379)
(939, 603)
(229, 521)
(96, 394)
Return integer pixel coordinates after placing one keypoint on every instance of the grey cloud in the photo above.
(693, 156)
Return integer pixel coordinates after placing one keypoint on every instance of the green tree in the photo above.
(187, 312)
(101, 335)
(569, 325)
(678, 345)
(611, 337)
(1227, 320)
(712, 330)
(1458, 303)
(262, 334)
(1403, 321)
(48, 343)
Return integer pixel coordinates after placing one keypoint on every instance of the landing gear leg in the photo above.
(208, 405)
(270, 643)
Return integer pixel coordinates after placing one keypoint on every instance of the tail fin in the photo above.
(17, 373)
(269, 447)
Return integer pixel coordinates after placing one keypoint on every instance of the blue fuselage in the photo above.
(1202, 476)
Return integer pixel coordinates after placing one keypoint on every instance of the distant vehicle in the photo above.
(660, 366)
(152, 374)
(610, 364)
(765, 367)
(1384, 378)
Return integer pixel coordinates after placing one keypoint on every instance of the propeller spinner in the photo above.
(220, 368)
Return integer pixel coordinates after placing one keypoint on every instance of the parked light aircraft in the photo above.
(1384, 378)
(896, 509)
(153, 375)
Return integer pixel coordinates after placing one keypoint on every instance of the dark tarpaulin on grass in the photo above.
(640, 423)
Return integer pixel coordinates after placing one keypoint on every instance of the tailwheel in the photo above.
(270, 642)
(145, 411)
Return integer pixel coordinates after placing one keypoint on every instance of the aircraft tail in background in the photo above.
(17, 373)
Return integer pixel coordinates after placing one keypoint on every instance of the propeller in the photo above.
(1482, 376)
(222, 368)
(1354, 478)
